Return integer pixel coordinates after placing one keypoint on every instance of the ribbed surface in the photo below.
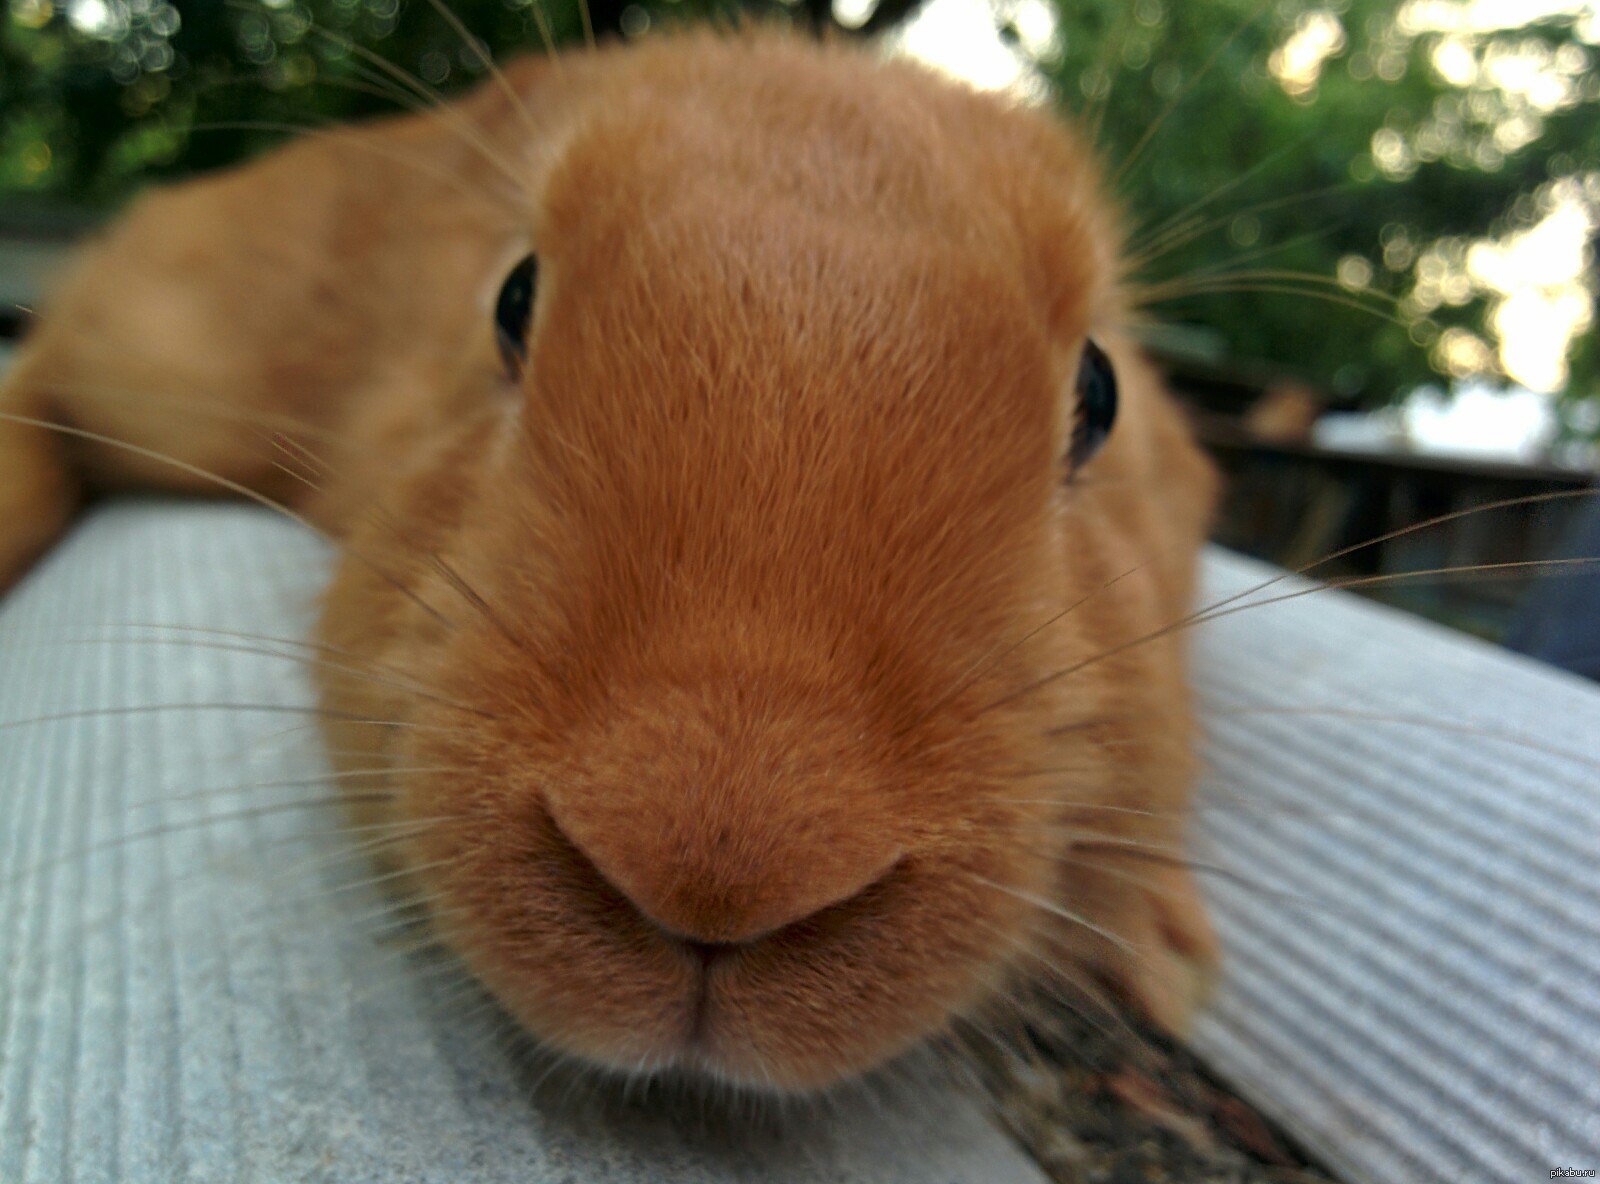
(1413, 971)
(1412, 979)
(205, 1003)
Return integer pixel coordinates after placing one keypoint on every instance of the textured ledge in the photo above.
(1412, 980)
(1412, 912)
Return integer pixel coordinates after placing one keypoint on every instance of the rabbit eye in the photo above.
(1097, 404)
(513, 314)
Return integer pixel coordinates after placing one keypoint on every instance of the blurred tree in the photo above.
(1283, 162)
(1358, 151)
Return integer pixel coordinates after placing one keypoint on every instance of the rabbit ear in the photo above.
(178, 337)
(259, 299)
(267, 296)
(205, 308)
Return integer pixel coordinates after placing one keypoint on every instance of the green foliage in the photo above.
(154, 89)
(1252, 185)
(1378, 158)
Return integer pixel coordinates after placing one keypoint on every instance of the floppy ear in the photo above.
(225, 295)
(258, 296)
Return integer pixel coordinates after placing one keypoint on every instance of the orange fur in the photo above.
(732, 606)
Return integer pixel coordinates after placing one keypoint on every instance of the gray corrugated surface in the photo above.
(1427, 1005)
(1413, 981)
(197, 1007)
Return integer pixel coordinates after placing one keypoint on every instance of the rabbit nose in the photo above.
(727, 809)
(716, 882)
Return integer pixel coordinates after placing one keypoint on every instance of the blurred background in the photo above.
(1363, 227)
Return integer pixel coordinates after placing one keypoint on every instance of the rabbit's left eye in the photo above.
(1097, 405)
(513, 314)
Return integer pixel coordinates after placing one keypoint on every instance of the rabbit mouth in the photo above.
(707, 955)
(787, 1010)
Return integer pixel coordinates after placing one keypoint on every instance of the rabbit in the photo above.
(758, 530)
